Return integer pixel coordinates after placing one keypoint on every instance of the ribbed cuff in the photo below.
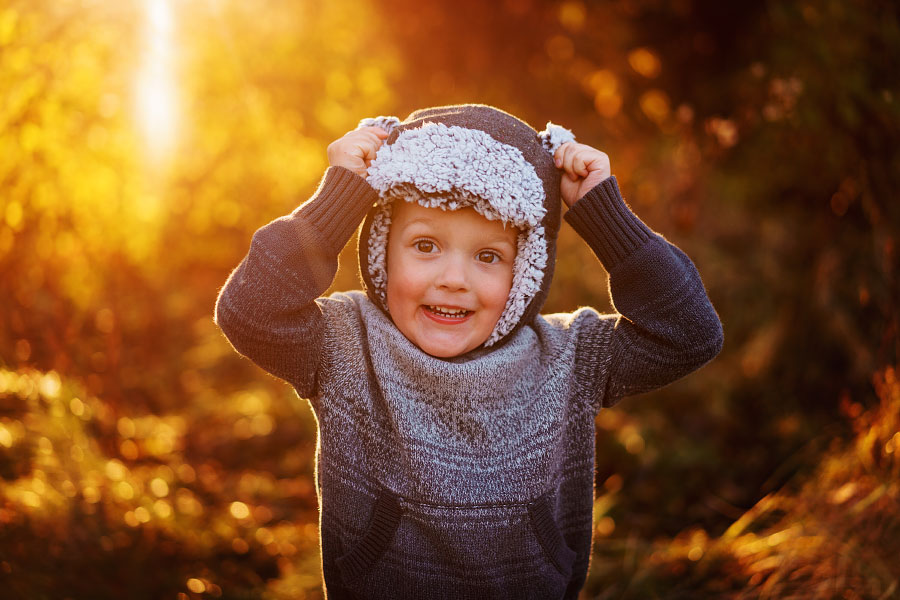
(606, 223)
(338, 206)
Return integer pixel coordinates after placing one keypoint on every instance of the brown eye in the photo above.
(487, 256)
(424, 246)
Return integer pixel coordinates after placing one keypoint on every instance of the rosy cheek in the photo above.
(400, 285)
(496, 294)
(500, 300)
(503, 294)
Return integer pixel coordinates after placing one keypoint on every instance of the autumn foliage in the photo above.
(142, 143)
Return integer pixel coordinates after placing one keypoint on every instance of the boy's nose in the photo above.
(453, 274)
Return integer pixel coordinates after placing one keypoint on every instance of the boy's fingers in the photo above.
(561, 156)
(378, 131)
(369, 136)
(369, 151)
(377, 138)
(569, 160)
(598, 162)
(558, 155)
(366, 144)
(356, 149)
(578, 165)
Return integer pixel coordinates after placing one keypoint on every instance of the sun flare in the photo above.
(155, 86)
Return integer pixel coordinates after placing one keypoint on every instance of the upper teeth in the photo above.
(447, 311)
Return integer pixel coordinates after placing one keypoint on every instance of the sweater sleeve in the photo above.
(267, 307)
(666, 326)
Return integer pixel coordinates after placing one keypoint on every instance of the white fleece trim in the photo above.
(528, 273)
(450, 167)
(554, 136)
(386, 123)
(438, 159)
(377, 246)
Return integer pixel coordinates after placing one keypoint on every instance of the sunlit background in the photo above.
(142, 143)
(156, 85)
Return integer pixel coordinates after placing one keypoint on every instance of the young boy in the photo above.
(456, 425)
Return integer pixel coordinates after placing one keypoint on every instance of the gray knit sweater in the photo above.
(470, 477)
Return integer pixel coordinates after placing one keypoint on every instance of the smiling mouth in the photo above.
(448, 313)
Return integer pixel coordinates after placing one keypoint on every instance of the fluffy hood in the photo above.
(470, 155)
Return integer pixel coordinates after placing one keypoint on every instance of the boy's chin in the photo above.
(440, 347)
(443, 340)
(444, 351)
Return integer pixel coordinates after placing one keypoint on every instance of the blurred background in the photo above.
(142, 143)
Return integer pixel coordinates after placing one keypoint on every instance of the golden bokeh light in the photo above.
(124, 490)
(125, 427)
(129, 449)
(186, 473)
(31, 499)
(572, 15)
(142, 514)
(560, 48)
(6, 438)
(613, 483)
(76, 406)
(645, 62)
(162, 509)
(196, 585)
(264, 536)
(159, 487)
(724, 131)
(50, 385)
(604, 86)
(655, 104)
(239, 510)
(605, 526)
(91, 494)
(115, 470)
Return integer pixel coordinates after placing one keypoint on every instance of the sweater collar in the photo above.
(481, 379)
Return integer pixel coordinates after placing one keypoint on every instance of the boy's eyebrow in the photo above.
(423, 220)
(498, 239)
(495, 238)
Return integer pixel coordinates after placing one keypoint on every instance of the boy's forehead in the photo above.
(408, 212)
(412, 214)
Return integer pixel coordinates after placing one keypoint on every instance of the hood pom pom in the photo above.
(555, 136)
(386, 123)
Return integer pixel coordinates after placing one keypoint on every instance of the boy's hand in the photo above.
(356, 150)
(583, 167)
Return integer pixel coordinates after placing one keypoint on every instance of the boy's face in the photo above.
(449, 276)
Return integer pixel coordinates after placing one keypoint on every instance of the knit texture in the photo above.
(471, 477)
